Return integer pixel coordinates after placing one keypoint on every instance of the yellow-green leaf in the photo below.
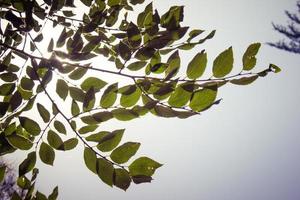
(47, 154)
(197, 66)
(223, 63)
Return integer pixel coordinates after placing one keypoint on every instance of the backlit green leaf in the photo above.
(122, 179)
(110, 140)
(143, 166)
(179, 97)
(60, 127)
(70, 144)
(203, 98)
(244, 80)
(2, 172)
(62, 89)
(124, 152)
(249, 59)
(54, 139)
(74, 108)
(78, 73)
(90, 159)
(47, 154)
(87, 129)
(197, 66)
(30, 126)
(77, 94)
(92, 82)
(128, 100)
(123, 114)
(43, 112)
(28, 164)
(223, 63)
(109, 96)
(136, 65)
(105, 171)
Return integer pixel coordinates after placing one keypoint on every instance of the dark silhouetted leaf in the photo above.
(70, 144)
(141, 179)
(77, 94)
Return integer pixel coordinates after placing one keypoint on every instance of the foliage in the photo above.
(145, 51)
(291, 32)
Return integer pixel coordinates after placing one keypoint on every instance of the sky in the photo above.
(244, 148)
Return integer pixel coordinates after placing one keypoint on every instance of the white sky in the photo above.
(245, 148)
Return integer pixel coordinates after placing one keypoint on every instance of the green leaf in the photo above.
(7, 89)
(105, 171)
(78, 73)
(87, 129)
(123, 114)
(249, 60)
(136, 65)
(87, 2)
(74, 108)
(60, 127)
(203, 98)
(70, 144)
(77, 94)
(109, 96)
(97, 137)
(223, 64)
(40, 196)
(274, 68)
(124, 152)
(28, 164)
(54, 139)
(92, 82)
(141, 179)
(143, 166)
(50, 46)
(179, 97)
(110, 140)
(54, 194)
(244, 80)
(43, 112)
(124, 51)
(19, 142)
(62, 89)
(122, 179)
(174, 65)
(90, 159)
(134, 2)
(197, 66)
(128, 100)
(2, 172)
(47, 154)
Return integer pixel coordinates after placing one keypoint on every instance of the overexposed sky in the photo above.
(245, 148)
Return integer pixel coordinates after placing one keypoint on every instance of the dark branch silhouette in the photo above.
(291, 33)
